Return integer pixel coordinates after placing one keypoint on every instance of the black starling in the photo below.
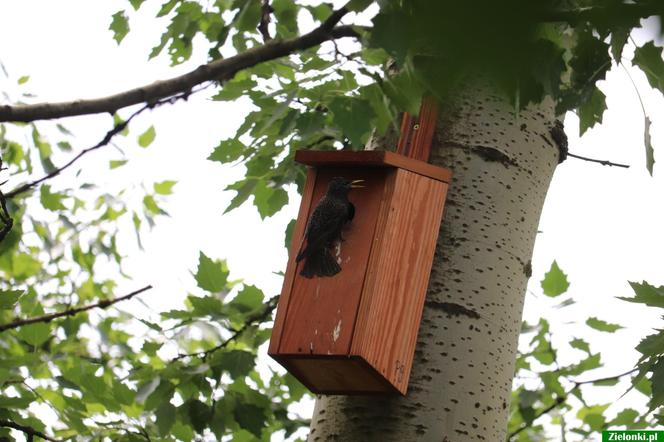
(324, 229)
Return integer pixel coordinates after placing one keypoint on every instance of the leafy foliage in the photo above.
(191, 373)
(550, 389)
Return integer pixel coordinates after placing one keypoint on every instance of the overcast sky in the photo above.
(603, 225)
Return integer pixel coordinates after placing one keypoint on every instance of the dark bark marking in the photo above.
(453, 309)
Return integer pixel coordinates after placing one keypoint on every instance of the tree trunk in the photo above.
(464, 360)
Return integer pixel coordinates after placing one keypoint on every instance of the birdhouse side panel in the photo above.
(321, 312)
(397, 280)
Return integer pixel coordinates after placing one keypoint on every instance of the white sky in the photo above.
(603, 225)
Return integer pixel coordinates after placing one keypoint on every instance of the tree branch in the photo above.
(219, 70)
(6, 219)
(28, 431)
(71, 312)
(625, 12)
(260, 317)
(561, 400)
(602, 162)
(104, 141)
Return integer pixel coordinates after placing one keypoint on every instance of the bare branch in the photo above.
(561, 400)
(258, 318)
(28, 431)
(598, 14)
(71, 312)
(602, 162)
(218, 70)
(104, 141)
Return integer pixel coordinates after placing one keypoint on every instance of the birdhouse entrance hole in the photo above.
(355, 332)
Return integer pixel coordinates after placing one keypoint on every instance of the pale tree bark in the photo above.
(464, 361)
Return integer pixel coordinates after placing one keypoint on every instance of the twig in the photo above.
(263, 26)
(6, 219)
(218, 70)
(597, 14)
(71, 312)
(610, 378)
(561, 400)
(602, 162)
(104, 141)
(269, 308)
(28, 431)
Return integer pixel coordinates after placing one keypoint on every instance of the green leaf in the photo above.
(136, 4)
(358, 5)
(619, 36)
(227, 151)
(269, 200)
(555, 281)
(20, 403)
(250, 14)
(164, 187)
(199, 415)
(353, 116)
(580, 344)
(250, 417)
(652, 345)
(50, 201)
(244, 189)
(250, 298)
(238, 363)
(147, 389)
(591, 111)
(119, 26)
(24, 79)
(165, 415)
(207, 305)
(211, 275)
(289, 233)
(383, 35)
(604, 326)
(646, 294)
(117, 121)
(151, 205)
(114, 164)
(35, 334)
(626, 417)
(147, 137)
(9, 298)
(647, 141)
(649, 59)
(657, 384)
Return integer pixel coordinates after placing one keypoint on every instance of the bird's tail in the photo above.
(319, 262)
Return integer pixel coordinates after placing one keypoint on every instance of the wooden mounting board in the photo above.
(371, 158)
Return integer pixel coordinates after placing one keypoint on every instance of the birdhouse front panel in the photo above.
(325, 309)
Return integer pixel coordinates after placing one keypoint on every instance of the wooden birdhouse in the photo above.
(355, 332)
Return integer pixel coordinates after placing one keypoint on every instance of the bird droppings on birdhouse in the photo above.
(347, 324)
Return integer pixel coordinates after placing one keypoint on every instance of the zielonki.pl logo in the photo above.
(623, 436)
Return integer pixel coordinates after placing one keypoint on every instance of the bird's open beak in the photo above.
(356, 183)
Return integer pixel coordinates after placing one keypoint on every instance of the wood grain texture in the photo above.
(371, 158)
(298, 233)
(336, 374)
(422, 137)
(394, 292)
(321, 313)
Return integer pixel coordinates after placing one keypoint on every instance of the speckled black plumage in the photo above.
(332, 212)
